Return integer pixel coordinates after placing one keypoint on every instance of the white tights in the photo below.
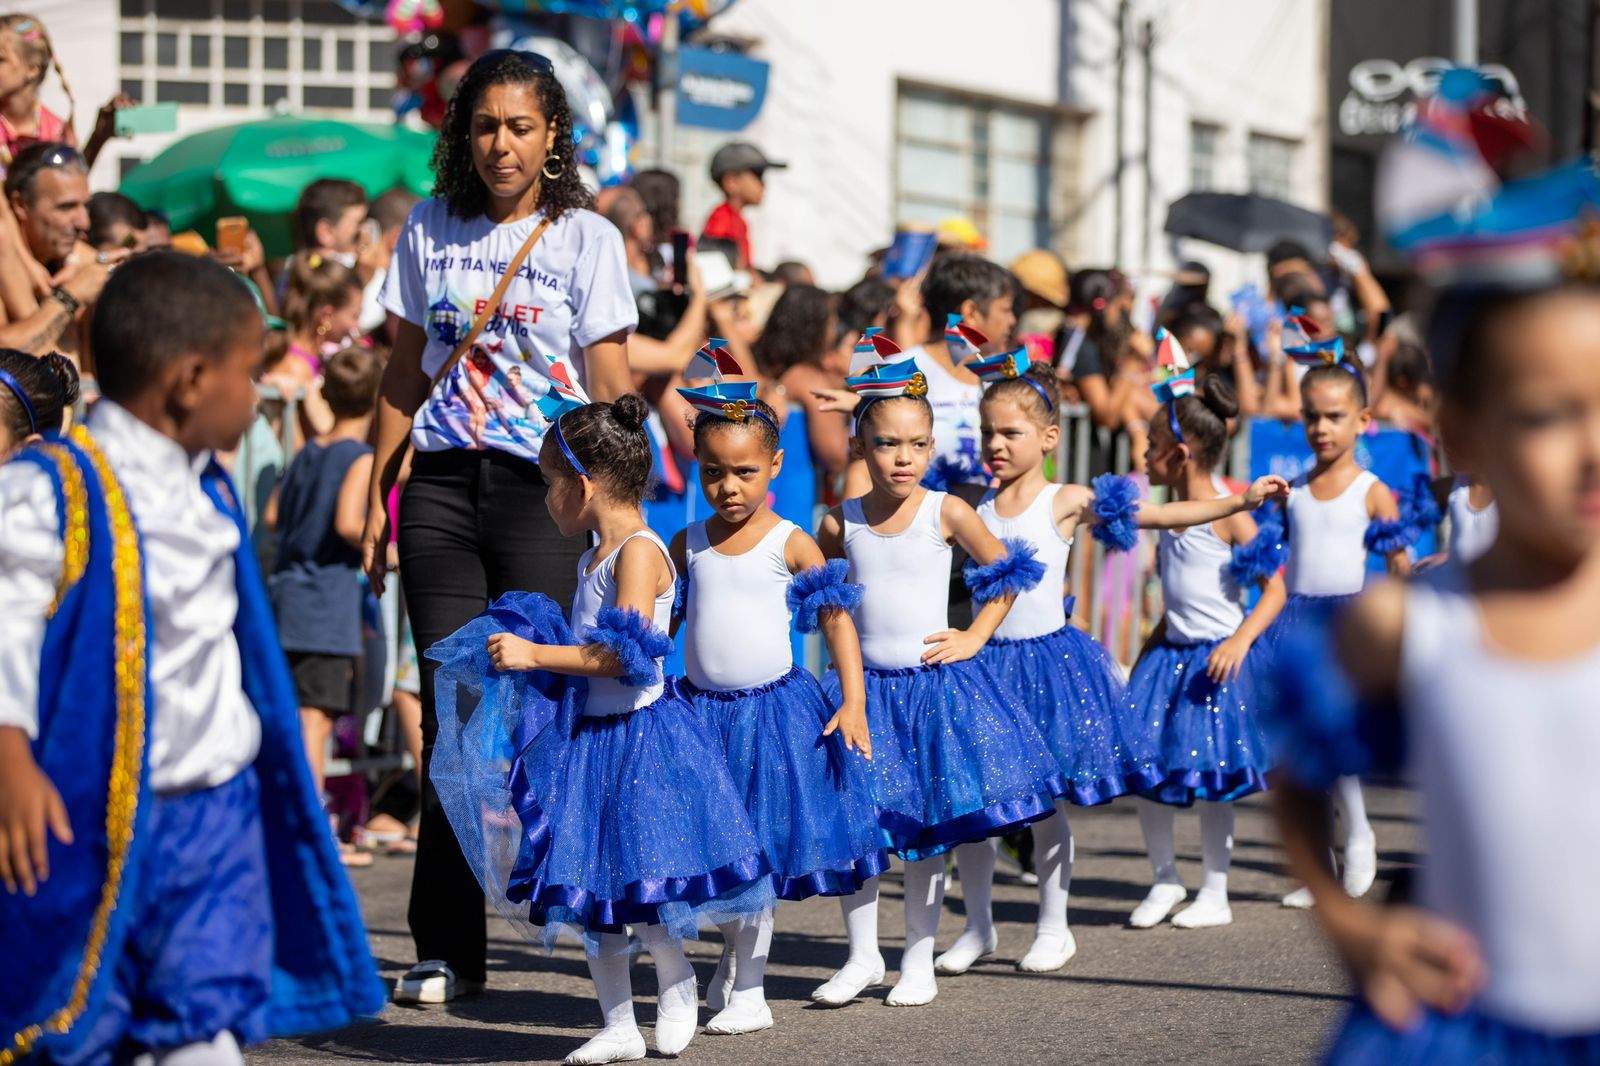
(1216, 844)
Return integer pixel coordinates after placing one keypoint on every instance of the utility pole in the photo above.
(667, 88)
(1119, 123)
(1147, 49)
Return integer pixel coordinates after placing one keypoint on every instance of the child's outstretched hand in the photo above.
(836, 400)
(1406, 959)
(952, 646)
(30, 807)
(1226, 658)
(1262, 489)
(850, 722)
(508, 653)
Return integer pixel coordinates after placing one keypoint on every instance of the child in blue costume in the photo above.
(955, 757)
(1057, 671)
(1479, 682)
(176, 889)
(629, 817)
(1337, 512)
(1196, 681)
(797, 759)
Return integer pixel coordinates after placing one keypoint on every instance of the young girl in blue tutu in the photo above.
(954, 758)
(1058, 672)
(796, 758)
(629, 817)
(1338, 512)
(1479, 681)
(1196, 682)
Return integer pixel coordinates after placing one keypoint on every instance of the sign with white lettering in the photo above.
(720, 90)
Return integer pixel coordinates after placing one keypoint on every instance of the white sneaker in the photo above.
(432, 981)
(1300, 899)
(1155, 907)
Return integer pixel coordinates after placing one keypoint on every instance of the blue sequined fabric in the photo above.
(807, 796)
(1209, 736)
(1471, 1036)
(954, 759)
(1075, 692)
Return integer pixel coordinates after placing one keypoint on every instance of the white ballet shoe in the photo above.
(912, 991)
(623, 1044)
(1360, 865)
(968, 949)
(721, 986)
(852, 979)
(740, 1018)
(1050, 952)
(673, 1033)
(1204, 913)
(1157, 904)
(1300, 899)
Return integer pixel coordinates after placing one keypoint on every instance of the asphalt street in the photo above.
(1262, 990)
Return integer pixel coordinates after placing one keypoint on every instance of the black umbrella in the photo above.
(1247, 223)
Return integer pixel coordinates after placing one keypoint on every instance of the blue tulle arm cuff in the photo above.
(1266, 552)
(1319, 727)
(680, 597)
(1014, 572)
(1116, 512)
(822, 588)
(1419, 507)
(635, 640)
(1387, 536)
(946, 472)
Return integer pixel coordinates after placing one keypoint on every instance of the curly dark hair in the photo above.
(610, 441)
(796, 331)
(456, 180)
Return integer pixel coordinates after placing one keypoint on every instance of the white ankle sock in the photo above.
(865, 964)
(976, 865)
(924, 880)
(1052, 857)
(677, 998)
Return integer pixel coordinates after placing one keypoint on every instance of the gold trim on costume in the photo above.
(127, 759)
(74, 523)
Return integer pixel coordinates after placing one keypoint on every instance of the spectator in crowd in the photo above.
(662, 192)
(316, 590)
(792, 272)
(39, 326)
(1191, 285)
(115, 222)
(385, 219)
(1097, 329)
(157, 231)
(328, 217)
(47, 186)
(739, 169)
(625, 209)
(322, 310)
(1042, 316)
(799, 348)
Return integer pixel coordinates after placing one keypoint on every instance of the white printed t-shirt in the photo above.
(570, 292)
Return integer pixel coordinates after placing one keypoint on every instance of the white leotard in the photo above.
(1202, 602)
(1039, 610)
(1471, 531)
(1327, 546)
(906, 577)
(597, 589)
(1503, 752)
(736, 620)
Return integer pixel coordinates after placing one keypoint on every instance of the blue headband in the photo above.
(1172, 419)
(22, 397)
(561, 442)
(1036, 387)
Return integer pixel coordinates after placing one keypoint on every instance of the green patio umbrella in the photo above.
(257, 169)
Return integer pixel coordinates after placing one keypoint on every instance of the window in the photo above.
(1205, 145)
(1271, 163)
(222, 55)
(1009, 168)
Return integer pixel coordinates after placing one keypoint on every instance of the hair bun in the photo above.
(1219, 397)
(629, 410)
(66, 372)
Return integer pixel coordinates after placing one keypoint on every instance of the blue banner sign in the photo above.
(720, 90)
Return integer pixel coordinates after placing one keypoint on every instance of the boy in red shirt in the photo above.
(739, 169)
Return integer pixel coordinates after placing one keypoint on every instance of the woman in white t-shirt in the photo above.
(472, 520)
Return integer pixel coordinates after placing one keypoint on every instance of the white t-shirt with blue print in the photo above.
(570, 292)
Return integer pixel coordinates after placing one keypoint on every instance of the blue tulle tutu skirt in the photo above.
(592, 823)
(1075, 692)
(1471, 1037)
(807, 796)
(1299, 610)
(954, 759)
(1209, 737)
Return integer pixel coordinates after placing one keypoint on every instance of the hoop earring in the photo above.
(545, 170)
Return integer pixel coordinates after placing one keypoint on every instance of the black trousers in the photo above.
(472, 526)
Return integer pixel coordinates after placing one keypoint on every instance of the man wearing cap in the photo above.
(739, 169)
